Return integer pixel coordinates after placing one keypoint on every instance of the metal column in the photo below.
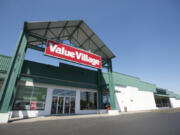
(99, 75)
(111, 85)
(9, 86)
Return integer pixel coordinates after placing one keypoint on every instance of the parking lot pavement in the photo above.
(149, 123)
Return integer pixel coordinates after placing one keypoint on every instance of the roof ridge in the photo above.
(1, 55)
(128, 75)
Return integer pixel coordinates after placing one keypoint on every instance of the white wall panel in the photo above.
(174, 102)
(133, 99)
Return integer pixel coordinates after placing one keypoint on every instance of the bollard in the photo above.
(125, 108)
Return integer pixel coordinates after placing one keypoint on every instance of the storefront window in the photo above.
(106, 98)
(162, 101)
(88, 101)
(106, 101)
(30, 98)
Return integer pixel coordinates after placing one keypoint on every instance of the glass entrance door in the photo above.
(63, 105)
(72, 109)
(60, 105)
(67, 105)
(54, 105)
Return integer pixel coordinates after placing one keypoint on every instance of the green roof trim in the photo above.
(171, 94)
(144, 86)
(125, 80)
(2, 75)
(105, 79)
(4, 63)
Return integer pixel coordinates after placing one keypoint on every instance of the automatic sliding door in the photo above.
(60, 105)
(72, 108)
(67, 105)
(63, 102)
(54, 105)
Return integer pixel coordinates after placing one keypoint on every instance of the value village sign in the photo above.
(65, 52)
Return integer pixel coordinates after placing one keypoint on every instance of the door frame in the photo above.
(64, 99)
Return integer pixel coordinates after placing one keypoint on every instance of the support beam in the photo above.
(92, 41)
(41, 38)
(86, 40)
(104, 62)
(53, 28)
(111, 85)
(52, 33)
(100, 98)
(78, 26)
(73, 39)
(59, 36)
(7, 92)
(99, 49)
(34, 47)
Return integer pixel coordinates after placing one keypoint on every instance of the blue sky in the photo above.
(143, 34)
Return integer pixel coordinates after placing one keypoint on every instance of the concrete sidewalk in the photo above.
(150, 123)
(59, 117)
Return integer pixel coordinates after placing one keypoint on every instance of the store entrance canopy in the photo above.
(76, 32)
(35, 36)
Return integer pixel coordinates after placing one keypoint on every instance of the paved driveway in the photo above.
(149, 123)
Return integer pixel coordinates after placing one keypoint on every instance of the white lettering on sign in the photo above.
(58, 50)
(79, 56)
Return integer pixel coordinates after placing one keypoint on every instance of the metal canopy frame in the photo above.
(77, 32)
(35, 35)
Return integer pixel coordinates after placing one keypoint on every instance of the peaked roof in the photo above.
(76, 31)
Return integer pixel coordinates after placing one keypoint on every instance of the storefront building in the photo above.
(34, 89)
(31, 89)
(71, 90)
(62, 90)
(132, 94)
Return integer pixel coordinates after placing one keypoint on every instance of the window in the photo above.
(106, 101)
(88, 101)
(59, 92)
(30, 98)
(162, 101)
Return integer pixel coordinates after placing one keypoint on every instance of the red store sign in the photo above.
(62, 51)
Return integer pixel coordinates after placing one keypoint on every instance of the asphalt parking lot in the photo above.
(149, 123)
